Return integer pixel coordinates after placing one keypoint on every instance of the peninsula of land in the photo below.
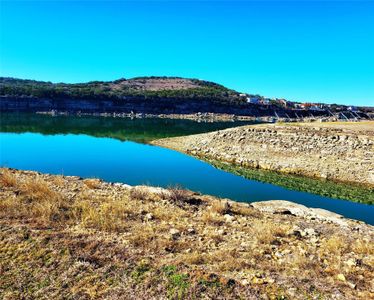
(342, 152)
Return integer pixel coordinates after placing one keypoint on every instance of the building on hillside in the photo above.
(285, 103)
(254, 99)
(306, 105)
(315, 107)
(312, 106)
(352, 108)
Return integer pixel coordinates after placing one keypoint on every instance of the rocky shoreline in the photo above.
(68, 237)
(200, 117)
(342, 153)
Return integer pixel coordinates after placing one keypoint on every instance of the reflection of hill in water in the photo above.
(139, 130)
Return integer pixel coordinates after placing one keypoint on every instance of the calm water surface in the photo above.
(120, 160)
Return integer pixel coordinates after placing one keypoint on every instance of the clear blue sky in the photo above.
(300, 50)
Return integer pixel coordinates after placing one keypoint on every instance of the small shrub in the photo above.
(139, 193)
(179, 195)
(164, 195)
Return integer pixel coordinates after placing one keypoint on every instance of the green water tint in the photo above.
(303, 184)
(140, 130)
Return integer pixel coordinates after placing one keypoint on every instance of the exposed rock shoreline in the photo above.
(67, 237)
(338, 153)
(201, 117)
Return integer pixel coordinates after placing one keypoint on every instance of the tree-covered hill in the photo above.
(142, 87)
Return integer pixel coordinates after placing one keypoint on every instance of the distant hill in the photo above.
(152, 95)
(162, 87)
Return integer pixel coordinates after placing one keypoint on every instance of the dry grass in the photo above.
(366, 126)
(108, 216)
(212, 218)
(213, 214)
(246, 211)
(142, 236)
(267, 232)
(7, 179)
(58, 181)
(92, 183)
(298, 260)
(35, 200)
(37, 190)
(224, 260)
(100, 234)
(194, 258)
(335, 245)
(220, 207)
(363, 247)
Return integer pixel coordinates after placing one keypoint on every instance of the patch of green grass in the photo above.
(210, 283)
(140, 271)
(178, 283)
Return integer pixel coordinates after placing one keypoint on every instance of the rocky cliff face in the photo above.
(331, 153)
(141, 105)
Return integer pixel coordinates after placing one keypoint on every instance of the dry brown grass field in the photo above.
(362, 126)
(69, 238)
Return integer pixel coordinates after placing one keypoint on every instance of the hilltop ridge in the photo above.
(161, 86)
(158, 95)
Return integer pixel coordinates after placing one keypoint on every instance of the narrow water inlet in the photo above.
(134, 163)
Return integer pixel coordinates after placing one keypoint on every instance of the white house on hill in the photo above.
(254, 100)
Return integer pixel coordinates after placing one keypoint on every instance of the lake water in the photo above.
(78, 146)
